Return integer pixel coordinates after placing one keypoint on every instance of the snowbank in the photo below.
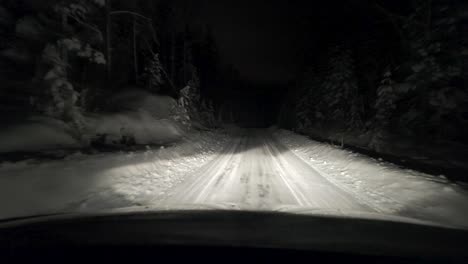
(37, 134)
(41, 134)
(391, 189)
(435, 157)
(159, 107)
(139, 115)
(142, 126)
(102, 181)
(142, 116)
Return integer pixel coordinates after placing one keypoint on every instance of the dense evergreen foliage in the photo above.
(67, 60)
(392, 71)
(410, 82)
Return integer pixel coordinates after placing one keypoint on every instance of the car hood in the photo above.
(287, 209)
(283, 209)
(286, 227)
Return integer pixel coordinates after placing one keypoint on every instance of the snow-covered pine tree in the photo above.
(206, 114)
(62, 102)
(192, 108)
(306, 109)
(211, 118)
(435, 65)
(187, 109)
(154, 73)
(193, 95)
(303, 113)
(385, 103)
(340, 88)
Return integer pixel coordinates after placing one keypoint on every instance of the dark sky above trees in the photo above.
(263, 39)
(256, 36)
(336, 54)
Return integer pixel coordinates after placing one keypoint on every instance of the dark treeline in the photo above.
(61, 58)
(381, 74)
(369, 73)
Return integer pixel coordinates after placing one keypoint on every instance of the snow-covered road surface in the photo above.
(256, 172)
(245, 169)
(102, 181)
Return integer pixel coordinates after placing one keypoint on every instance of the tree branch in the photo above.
(149, 20)
(162, 68)
(392, 16)
(129, 13)
(81, 22)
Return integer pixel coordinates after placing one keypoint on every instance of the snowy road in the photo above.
(257, 172)
(246, 169)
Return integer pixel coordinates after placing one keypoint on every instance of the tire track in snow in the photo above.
(256, 172)
(366, 198)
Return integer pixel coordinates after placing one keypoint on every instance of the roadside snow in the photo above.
(37, 134)
(41, 133)
(144, 128)
(158, 106)
(391, 189)
(93, 182)
(142, 116)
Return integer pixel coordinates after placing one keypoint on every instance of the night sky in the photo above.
(261, 38)
(269, 42)
(257, 37)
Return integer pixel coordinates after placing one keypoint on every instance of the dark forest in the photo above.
(342, 105)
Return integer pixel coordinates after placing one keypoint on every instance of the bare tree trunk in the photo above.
(429, 20)
(135, 59)
(108, 41)
(173, 66)
(63, 49)
(391, 18)
(464, 40)
(184, 66)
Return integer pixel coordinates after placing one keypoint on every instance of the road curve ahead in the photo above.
(258, 173)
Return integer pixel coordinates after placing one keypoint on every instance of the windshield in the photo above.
(344, 107)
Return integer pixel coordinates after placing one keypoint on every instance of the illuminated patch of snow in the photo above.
(101, 181)
(393, 190)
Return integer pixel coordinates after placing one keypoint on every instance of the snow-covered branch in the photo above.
(89, 26)
(117, 12)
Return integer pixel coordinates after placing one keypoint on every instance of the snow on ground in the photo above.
(140, 125)
(145, 117)
(440, 155)
(392, 190)
(36, 134)
(159, 106)
(41, 134)
(93, 182)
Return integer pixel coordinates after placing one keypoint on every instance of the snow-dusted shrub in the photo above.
(385, 106)
(61, 97)
(181, 111)
(386, 101)
(191, 109)
(133, 99)
(153, 73)
(207, 114)
(139, 126)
